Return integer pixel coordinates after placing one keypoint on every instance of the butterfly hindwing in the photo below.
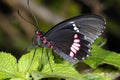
(71, 43)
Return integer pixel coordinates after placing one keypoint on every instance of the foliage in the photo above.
(36, 66)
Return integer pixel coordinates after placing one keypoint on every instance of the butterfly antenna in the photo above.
(49, 60)
(19, 13)
(33, 15)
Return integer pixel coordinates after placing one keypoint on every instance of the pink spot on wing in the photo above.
(52, 46)
(71, 54)
(76, 36)
(75, 47)
(76, 44)
(76, 40)
(44, 41)
(73, 50)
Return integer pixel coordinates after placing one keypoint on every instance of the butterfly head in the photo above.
(39, 33)
(39, 37)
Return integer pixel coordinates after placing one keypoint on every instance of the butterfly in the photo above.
(72, 38)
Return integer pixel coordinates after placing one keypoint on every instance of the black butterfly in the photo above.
(72, 38)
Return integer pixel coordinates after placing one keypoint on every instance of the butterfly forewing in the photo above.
(91, 26)
(73, 37)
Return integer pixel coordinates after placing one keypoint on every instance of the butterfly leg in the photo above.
(48, 57)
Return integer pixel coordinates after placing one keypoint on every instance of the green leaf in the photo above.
(8, 65)
(65, 70)
(60, 71)
(95, 76)
(100, 56)
(17, 79)
(29, 62)
(99, 42)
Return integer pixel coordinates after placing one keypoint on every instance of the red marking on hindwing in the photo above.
(71, 54)
(76, 44)
(76, 40)
(44, 41)
(76, 36)
(73, 50)
(75, 47)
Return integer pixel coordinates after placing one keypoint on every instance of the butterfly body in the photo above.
(72, 39)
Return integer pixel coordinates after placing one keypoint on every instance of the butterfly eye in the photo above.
(37, 32)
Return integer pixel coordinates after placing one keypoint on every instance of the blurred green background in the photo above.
(16, 34)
